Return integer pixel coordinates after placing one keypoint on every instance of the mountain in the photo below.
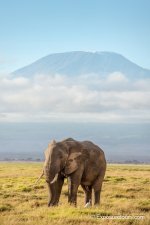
(80, 63)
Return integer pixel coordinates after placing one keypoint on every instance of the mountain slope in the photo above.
(78, 63)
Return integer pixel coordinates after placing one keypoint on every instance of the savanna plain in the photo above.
(125, 192)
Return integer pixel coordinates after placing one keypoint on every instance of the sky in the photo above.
(32, 29)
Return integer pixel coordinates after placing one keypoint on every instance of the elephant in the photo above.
(82, 162)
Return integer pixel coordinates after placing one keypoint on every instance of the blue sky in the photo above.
(31, 29)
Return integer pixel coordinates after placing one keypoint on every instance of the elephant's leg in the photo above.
(75, 180)
(69, 188)
(70, 192)
(88, 193)
(74, 183)
(97, 196)
(97, 187)
(73, 193)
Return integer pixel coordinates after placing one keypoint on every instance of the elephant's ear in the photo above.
(50, 145)
(53, 142)
(72, 162)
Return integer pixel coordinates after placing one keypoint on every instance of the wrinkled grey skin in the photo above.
(82, 162)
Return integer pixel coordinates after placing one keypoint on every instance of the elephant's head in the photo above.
(62, 156)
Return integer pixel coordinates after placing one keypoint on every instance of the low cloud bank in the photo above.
(85, 98)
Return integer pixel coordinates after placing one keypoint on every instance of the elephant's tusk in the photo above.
(39, 178)
(55, 178)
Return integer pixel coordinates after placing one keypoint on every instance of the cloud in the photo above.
(88, 97)
(116, 77)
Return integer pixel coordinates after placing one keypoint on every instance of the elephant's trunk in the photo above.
(51, 175)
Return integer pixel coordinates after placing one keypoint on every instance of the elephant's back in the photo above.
(91, 147)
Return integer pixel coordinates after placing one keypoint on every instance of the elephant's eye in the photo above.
(70, 160)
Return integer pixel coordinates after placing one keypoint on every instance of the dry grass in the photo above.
(125, 192)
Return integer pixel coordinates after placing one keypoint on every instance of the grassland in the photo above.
(125, 192)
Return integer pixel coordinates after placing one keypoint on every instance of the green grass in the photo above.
(125, 192)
